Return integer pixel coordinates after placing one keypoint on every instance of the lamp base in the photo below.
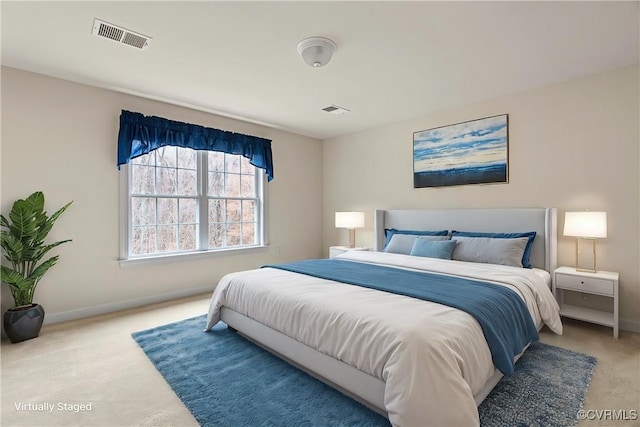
(352, 237)
(586, 260)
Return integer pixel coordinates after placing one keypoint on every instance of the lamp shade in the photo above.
(349, 219)
(585, 224)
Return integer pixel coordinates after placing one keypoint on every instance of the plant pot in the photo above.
(24, 322)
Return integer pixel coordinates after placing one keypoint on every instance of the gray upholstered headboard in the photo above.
(541, 220)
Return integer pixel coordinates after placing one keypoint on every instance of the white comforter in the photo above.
(432, 358)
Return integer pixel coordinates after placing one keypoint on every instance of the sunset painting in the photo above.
(473, 152)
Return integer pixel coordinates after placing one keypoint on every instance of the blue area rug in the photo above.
(224, 380)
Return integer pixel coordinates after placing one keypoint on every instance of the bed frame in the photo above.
(366, 388)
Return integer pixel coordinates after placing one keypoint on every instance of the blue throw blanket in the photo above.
(502, 314)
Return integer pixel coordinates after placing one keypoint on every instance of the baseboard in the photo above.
(122, 305)
(630, 325)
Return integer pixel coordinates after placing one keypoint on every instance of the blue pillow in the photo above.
(389, 232)
(403, 243)
(531, 235)
(433, 249)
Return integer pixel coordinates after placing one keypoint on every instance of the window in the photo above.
(181, 200)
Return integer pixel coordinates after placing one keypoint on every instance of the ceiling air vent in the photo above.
(119, 34)
(334, 109)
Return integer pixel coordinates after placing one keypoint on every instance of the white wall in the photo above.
(60, 137)
(573, 146)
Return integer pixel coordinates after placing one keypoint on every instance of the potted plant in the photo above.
(22, 240)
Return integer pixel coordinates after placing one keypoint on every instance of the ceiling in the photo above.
(395, 60)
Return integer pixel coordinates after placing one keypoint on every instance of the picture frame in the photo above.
(471, 152)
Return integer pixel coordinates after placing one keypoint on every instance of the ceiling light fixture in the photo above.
(317, 51)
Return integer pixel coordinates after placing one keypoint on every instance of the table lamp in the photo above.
(350, 220)
(586, 226)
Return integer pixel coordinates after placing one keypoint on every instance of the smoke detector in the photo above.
(334, 109)
(119, 34)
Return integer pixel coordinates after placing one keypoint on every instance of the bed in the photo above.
(417, 362)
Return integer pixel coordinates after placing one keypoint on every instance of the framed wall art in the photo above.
(473, 152)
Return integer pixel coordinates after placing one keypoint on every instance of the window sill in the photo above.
(188, 256)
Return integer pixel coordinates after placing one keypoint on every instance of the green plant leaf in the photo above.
(3, 221)
(13, 278)
(45, 226)
(42, 269)
(13, 247)
(24, 225)
(59, 212)
(36, 202)
(21, 288)
(36, 253)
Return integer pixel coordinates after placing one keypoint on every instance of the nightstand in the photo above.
(603, 283)
(337, 250)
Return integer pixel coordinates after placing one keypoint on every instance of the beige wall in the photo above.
(573, 146)
(60, 137)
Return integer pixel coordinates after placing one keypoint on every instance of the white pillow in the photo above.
(490, 250)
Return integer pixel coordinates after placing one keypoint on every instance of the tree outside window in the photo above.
(175, 193)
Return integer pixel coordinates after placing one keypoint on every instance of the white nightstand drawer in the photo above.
(584, 284)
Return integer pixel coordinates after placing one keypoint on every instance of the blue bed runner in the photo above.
(502, 314)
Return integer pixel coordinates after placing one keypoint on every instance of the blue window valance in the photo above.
(140, 134)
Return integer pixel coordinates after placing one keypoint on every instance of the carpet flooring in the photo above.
(224, 379)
